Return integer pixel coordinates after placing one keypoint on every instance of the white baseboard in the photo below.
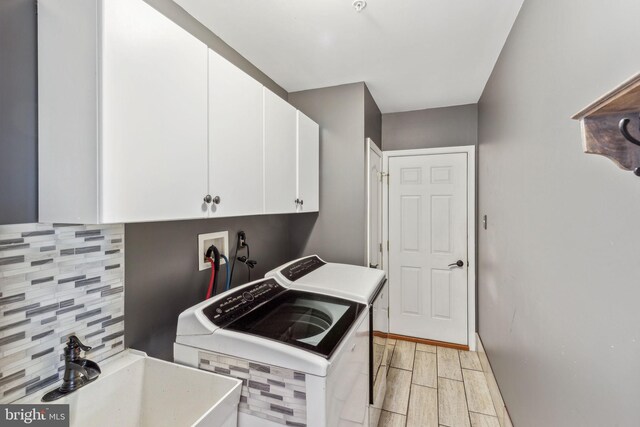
(498, 401)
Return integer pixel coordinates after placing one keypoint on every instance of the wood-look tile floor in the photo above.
(431, 386)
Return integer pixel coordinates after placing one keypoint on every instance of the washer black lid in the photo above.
(307, 320)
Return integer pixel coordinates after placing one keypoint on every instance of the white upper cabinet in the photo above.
(154, 116)
(308, 149)
(235, 140)
(280, 181)
(122, 114)
(139, 121)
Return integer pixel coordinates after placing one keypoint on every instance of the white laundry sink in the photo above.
(137, 390)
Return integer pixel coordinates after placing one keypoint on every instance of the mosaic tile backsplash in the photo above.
(270, 392)
(57, 280)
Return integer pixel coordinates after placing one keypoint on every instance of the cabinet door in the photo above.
(279, 154)
(154, 116)
(308, 164)
(235, 140)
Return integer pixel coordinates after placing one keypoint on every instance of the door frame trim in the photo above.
(470, 150)
(370, 145)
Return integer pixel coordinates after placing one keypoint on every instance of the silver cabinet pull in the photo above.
(208, 198)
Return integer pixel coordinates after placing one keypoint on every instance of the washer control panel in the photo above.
(301, 268)
(225, 310)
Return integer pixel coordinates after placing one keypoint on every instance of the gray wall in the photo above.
(558, 267)
(434, 127)
(18, 112)
(162, 277)
(372, 118)
(337, 233)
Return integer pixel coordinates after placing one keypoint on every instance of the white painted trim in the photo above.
(370, 146)
(470, 150)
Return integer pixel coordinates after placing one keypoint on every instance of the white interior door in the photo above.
(428, 268)
(374, 196)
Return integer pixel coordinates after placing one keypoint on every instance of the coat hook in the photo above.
(625, 132)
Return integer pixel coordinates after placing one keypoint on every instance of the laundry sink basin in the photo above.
(137, 390)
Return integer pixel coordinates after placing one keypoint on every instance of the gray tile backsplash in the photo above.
(57, 280)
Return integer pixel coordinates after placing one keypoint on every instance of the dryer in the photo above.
(302, 355)
(364, 285)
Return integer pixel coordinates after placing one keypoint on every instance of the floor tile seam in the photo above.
(464, 388)
(482, 413)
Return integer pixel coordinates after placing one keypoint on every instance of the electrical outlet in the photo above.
(221, 241)
(242, 239)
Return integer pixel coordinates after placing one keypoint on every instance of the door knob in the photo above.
(458, 263)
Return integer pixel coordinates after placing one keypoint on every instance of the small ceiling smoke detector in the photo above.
(358, 5)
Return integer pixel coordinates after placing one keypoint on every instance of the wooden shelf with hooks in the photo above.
(603, 125)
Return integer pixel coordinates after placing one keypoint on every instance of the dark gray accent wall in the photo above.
(18, 112)
(372, 118)
(337, 233)
(178, 15)
(558, 264)
(434, 127)
(162, 277)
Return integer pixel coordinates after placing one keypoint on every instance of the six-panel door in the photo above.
(427, 237)
(154, 116)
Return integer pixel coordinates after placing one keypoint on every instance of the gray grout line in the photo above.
(437, 388)
(413, 366)
(480, 413)
(464, 387)
(450, 379)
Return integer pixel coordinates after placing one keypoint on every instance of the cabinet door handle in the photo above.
(216, 200)
(208, 198)
(301, 202)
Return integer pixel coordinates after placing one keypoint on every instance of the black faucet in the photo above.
(78, 371)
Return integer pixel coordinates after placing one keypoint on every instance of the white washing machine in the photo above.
(364, 285)
(302, 356)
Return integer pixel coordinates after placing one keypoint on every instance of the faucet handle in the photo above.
(74, 342)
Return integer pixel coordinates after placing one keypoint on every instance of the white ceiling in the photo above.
(412, 54)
